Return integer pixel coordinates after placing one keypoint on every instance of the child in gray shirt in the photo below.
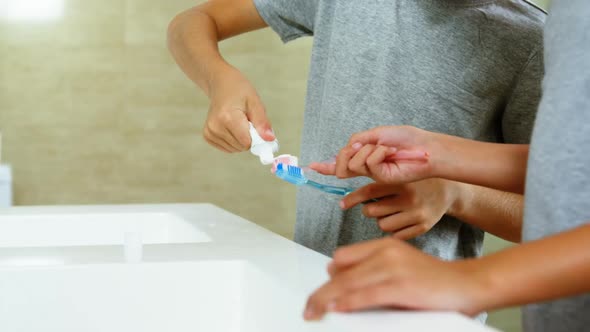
(470, 68)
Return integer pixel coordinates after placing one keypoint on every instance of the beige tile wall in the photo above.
(93, 110)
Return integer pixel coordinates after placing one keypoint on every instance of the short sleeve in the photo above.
(519, 115)
(290, 19)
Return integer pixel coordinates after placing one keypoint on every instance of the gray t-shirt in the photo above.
(470, 68)
(558, 177)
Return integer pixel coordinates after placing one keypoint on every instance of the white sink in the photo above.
(221, 296)
(91, 229)
(202, 269)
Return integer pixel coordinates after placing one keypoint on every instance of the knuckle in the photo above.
(210, 129)
(370, 210)
(367, 210)
(421, 216)
(207, 135)
(384, 225)
(370, 190)
(244, 140)
(345, 153)
(422, 228)
(355, 168)
(243, 144)
(225, 117)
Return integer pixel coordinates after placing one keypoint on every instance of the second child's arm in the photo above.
(403, 154)
(493, 165)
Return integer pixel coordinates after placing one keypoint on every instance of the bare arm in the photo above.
(404, 154)
(543, 270)
(193, 36)
(493, 165)
(388, 272)
(496, 212)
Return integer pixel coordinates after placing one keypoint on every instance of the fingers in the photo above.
(416, 155)
(384, 265)
(357, 164)
(396, 222)
(217, 142)
(323, 168)
(377, 158)
(352, 161)
(241, 133)
(352, 254)
(228, 129)
(368, 192)
(360, 276)
(372, 136)
(256, 114)
(231, 139)
(374, 296)
(384, 207)
(342, 160)
(411, 232)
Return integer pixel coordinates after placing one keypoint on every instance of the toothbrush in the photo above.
(294, 175)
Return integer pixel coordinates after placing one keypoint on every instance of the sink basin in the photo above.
(142, 297)
(91, 229)
(170, 267)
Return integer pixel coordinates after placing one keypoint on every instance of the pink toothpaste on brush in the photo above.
(285, 159)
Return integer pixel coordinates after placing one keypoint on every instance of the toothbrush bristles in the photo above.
(294, 171)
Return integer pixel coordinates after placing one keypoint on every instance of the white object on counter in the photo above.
(133, 247)
(265, 150)
(5, 186)
(202, 269)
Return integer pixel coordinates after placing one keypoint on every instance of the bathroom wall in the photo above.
(94, 111)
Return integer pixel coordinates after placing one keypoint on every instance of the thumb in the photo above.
(257, 115)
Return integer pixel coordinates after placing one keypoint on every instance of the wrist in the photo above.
(451, 157)
(461, 199)
(482, 286)
(438, 149)
(219, 70)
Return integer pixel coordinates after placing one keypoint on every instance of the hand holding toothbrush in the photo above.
(404, 154)
(393, 155)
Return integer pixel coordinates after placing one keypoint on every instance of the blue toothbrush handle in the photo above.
(342, 191)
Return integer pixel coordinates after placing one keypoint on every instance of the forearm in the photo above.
(543, 270)
(496, 212)
(499, 166)
(192, 40)
(193, 37)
